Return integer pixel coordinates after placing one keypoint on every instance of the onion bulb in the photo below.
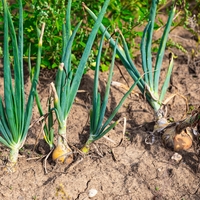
(177, 142)
(183, 141)
(62, 154)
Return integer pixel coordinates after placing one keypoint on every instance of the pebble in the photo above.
(177, 157)
(92, 193)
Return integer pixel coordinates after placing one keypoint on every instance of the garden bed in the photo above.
(124, 168)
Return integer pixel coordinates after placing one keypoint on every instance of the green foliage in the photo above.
(15, 112)
(128, 16)
(53, 14)
(188, 17)
(119, 15)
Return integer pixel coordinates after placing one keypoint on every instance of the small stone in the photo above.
(159, 169)
(92, 193)
(177, 157)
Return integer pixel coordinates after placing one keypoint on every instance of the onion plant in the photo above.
(15, 113)
(149, 85)
(46, 119)
(98, 128)
(67, 83)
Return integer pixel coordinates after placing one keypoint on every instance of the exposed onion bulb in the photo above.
(62, 155)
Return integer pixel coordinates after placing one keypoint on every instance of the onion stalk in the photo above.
(67, 83)
(15, 113)
(47, 125)
(98, 128)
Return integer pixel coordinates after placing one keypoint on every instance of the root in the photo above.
(45, 161)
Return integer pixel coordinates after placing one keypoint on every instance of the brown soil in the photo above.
(131, 170)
